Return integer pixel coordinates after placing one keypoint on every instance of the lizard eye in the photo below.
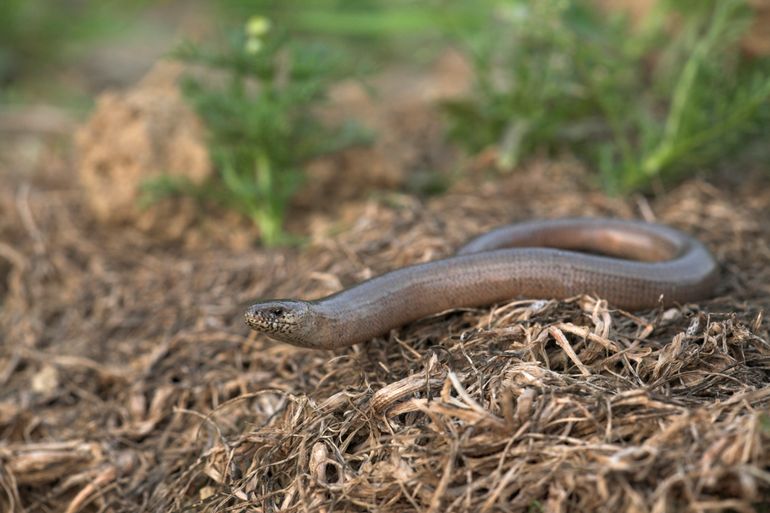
(277, 312)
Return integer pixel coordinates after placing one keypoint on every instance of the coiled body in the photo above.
(632, 264)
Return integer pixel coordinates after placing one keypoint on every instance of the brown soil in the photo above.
(129, 382)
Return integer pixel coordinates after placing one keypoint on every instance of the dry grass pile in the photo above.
(128, 381)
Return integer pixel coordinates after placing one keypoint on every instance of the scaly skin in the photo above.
(641, 266)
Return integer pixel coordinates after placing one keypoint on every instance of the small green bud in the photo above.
(257, 26)
(253, 45)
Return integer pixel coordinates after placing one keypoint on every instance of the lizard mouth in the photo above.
(270, 317)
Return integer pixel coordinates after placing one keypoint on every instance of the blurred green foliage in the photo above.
(37, 35)
(404, 30)
(259, 97)
(653, 102)
(640, 104)
(656, 101)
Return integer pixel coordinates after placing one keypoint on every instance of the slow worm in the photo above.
(634, 265)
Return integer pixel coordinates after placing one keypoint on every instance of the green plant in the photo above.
(638, 104)
(258, 100)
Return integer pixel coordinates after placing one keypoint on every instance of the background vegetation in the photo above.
(671, 95)
(40, 39)
(261, 119)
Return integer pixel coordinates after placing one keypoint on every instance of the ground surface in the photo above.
(128, 381)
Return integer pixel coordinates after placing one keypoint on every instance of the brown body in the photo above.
(634, 265)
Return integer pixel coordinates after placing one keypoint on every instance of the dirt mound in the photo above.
(138, 135)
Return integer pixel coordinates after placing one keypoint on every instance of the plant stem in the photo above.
(665, 151)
